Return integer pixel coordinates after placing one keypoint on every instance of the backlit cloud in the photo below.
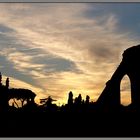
(61, 48)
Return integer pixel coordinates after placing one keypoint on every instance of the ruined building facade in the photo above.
(130, 66)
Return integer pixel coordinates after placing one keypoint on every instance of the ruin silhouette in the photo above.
(78, 117)
(110, 97)
(108, 101)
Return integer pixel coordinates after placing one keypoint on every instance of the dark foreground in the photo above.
(70, 125)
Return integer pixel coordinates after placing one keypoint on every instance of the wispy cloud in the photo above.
(60, 48)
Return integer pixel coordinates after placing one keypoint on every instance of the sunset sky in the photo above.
(54, 48)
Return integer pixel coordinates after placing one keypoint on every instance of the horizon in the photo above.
(54, 48)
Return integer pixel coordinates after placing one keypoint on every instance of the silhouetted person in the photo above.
(70, 98)
(7, 82)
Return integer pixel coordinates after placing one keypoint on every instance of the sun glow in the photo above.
(68, 47)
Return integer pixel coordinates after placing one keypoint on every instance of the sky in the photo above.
(54, 48)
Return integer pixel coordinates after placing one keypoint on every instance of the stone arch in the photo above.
(110, 97)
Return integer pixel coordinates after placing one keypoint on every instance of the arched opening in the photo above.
(125, 91)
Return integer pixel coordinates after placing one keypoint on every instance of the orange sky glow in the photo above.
(53, 49)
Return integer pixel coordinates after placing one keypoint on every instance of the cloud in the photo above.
(60, 48)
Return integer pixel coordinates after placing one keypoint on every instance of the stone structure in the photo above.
(130, 65)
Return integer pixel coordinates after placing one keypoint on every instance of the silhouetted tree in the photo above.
(7, 82)
(24, 95)
(4, 98)
(79, 99)
(78, 103)
(83, 101)
(47, 104)
(47, 101)
(76, 100)
(87, 99)
(70, 98)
